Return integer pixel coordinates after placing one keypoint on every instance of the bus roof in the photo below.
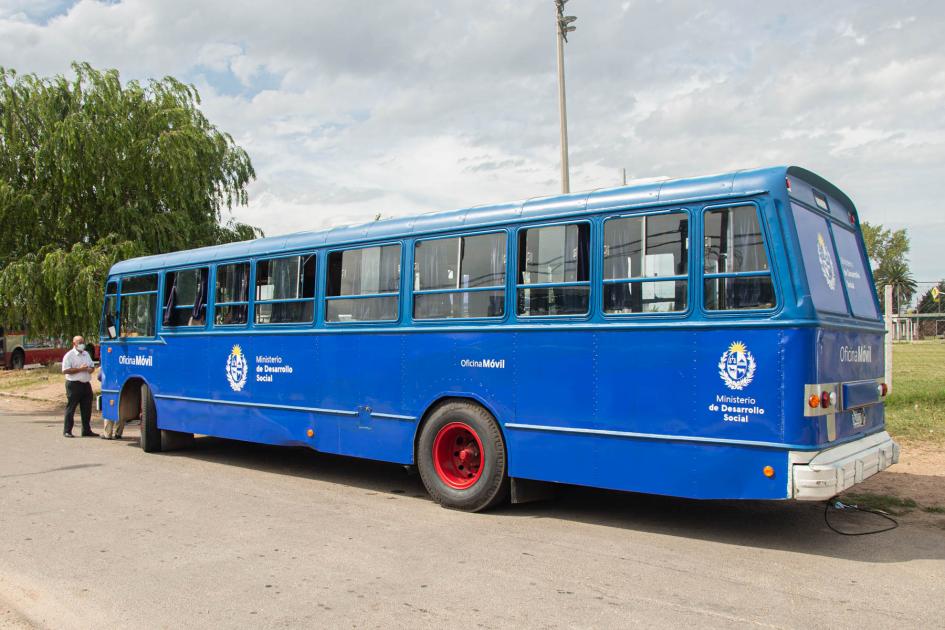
(733, 184)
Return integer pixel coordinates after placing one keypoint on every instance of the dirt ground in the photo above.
(919, 475)
(41, 384)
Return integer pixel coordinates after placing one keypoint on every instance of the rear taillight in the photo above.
(883, 389)
(822, 399)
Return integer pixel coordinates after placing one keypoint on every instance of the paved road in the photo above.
(99, 534)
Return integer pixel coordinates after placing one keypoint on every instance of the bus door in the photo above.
(848, 383)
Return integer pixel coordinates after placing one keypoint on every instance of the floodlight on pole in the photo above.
(563, 27)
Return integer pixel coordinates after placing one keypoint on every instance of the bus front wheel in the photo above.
(461, 457)
(150, 434)
(18, 360)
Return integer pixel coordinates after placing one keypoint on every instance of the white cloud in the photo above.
(354, 108)
(218, 56)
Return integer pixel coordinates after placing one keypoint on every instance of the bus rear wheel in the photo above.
(150, 434)
(18, 360)
(461, 458)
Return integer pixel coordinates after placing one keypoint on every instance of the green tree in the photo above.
(897, 274)
(93, 171)
(883, 244)
(888, 252)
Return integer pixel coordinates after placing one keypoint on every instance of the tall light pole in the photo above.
(564, 27)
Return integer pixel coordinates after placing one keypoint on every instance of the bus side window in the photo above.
(231, 301)
(185, 297)
(138, 306)
(556, 258)
(646, 263)
(363, 284)
(735, 265)
(461, 277)
(285, 290)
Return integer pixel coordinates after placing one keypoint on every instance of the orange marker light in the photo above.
(109, 349)
(310, 433)
(814, 401)
(768, 471)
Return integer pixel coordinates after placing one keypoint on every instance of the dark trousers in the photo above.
(78, 395)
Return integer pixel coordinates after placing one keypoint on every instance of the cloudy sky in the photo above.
(350, 108)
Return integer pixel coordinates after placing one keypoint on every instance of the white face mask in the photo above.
(80, 347)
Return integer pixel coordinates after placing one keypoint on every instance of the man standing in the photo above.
(77, 366)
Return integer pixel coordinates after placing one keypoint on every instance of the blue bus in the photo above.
(715, 337)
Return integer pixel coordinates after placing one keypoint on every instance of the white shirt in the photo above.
(74, 359)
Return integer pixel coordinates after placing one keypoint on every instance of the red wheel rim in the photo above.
(458, 456)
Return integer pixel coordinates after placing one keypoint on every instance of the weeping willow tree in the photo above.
(93, 171)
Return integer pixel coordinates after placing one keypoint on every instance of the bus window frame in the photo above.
(162, 303)
(701, 276)
(689, 277)
(589, 283)
(157, 292)
(253, 302)
(212, 301)
(399, 294)
(504, 287)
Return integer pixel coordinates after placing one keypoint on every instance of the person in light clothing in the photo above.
(78, 367)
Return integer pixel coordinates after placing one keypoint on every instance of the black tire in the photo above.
(18, 360)
(491, 486)
(150, 434)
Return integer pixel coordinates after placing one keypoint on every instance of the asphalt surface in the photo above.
(99, 534)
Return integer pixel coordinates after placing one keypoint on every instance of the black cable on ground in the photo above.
(840, 505)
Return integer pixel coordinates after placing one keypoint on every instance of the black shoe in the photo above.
(67, 434)
(89, 434)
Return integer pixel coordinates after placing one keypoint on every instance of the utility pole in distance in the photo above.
(563, 27)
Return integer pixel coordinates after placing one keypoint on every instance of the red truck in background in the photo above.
(18, 350)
